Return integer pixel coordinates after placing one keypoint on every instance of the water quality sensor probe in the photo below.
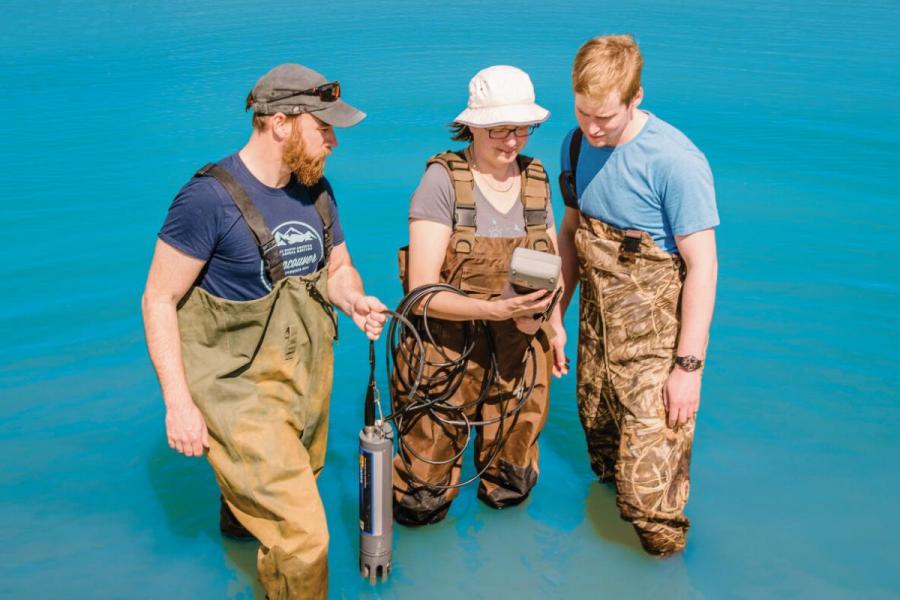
(376, 443)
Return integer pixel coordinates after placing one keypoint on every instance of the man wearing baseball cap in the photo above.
(239, 321)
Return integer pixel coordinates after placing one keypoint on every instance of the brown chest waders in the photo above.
(506, 451)
(260, 372)
(629, 323)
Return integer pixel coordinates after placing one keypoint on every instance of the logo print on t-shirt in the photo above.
(301, 249)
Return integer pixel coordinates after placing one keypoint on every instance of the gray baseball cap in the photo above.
(294, 89)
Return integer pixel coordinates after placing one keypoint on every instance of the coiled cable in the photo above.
(424, 383)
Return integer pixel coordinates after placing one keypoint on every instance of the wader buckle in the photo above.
(465, 216)
(541, 244)
(271, 254)
(272, 260)
(269, 246)
(535, 216)
(631, 246)
(464, 244)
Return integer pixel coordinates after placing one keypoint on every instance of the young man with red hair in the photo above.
(638, 235)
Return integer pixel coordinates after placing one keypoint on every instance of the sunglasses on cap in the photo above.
(327, 92)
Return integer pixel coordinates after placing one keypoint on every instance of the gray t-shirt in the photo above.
(433, 201)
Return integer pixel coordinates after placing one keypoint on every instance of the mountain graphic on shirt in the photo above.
(293, 236)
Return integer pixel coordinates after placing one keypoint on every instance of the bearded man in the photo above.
(239, 322)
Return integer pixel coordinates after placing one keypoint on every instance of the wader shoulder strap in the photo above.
(268, 247)
(464, 197)
(323, 207)
(567, 178)
(575, 149)
(535, 196)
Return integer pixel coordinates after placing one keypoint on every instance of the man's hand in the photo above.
(682, 391)
(369, 315)
(186, 428)
(558, 344)
(682, 395)
(171, 275)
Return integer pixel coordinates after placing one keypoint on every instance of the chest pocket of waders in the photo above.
(483, 277)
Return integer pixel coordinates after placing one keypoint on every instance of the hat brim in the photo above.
(340, 114)
(515, 114)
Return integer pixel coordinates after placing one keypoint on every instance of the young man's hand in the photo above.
(682, 395)
(558, 344)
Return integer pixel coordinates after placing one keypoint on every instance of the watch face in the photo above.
(688, 363)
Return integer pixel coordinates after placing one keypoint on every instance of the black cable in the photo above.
(369, 418)
(415, 396)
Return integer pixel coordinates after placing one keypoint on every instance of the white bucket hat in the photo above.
(501, 95)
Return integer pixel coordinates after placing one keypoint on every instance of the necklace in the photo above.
(487, 180)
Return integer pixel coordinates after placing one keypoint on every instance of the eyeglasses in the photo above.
(502, 133)
(327, 92)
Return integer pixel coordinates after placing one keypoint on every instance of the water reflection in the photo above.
(189, 497)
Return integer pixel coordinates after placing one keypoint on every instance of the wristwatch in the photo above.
(689, 363)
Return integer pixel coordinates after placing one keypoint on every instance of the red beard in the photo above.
(309, 168)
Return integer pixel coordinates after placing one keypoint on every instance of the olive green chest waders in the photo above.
(629, 323)
(479, 266)
(260, 372)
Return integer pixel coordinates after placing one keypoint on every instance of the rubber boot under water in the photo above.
(229, 525)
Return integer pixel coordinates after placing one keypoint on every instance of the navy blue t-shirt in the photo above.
(205, 223)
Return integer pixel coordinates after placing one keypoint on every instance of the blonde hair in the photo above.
(608, 63)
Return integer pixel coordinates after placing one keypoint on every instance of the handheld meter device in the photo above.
(532, 270)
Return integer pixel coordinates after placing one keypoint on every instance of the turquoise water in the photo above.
(109, 107)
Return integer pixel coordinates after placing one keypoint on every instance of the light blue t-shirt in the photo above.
(658, 182)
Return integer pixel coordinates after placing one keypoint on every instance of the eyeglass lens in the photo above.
(501, 133)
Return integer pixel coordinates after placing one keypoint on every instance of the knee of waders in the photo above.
(420, 508)
(305, 533)
(318, 540)
(507, 486)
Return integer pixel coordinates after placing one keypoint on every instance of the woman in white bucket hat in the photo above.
(472, 208)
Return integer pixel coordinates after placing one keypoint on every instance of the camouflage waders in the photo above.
(479, 266)
(260, 372)
(629, 324)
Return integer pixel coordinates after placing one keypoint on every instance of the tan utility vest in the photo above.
(534, 197)
(479, 265)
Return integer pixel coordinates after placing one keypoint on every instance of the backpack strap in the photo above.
(268, 247)
(535, 197)
(567, 178)
(464, 197)
(323, 207)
